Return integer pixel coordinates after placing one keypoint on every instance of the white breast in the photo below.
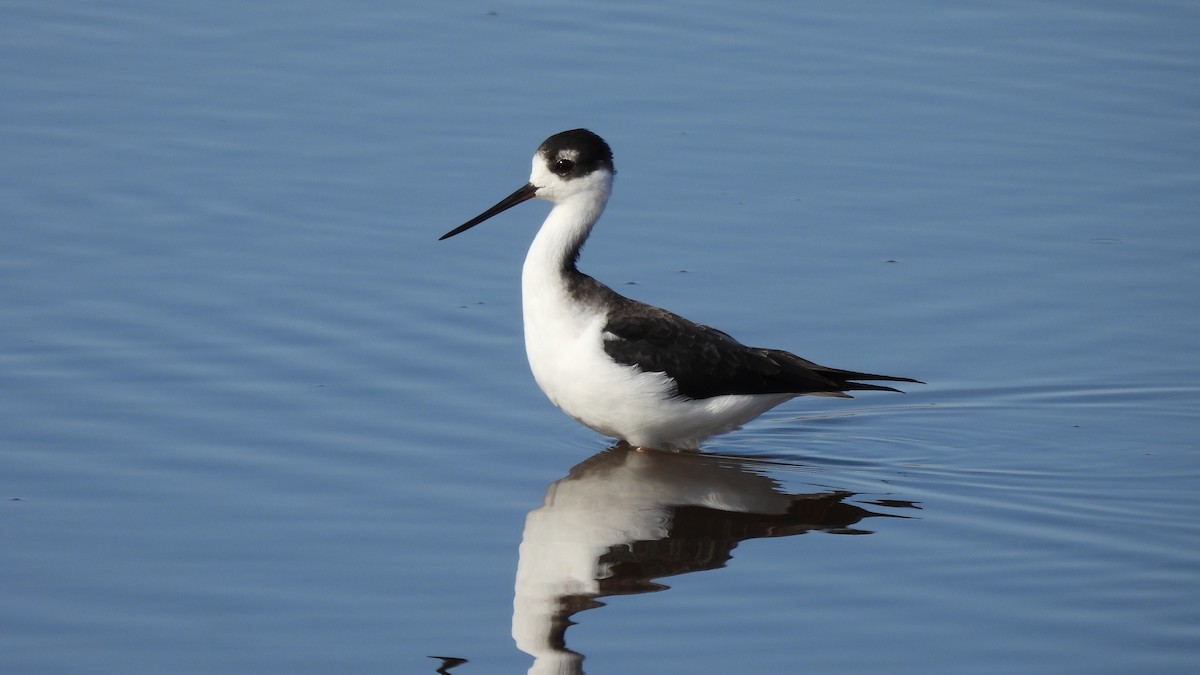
(565, 347)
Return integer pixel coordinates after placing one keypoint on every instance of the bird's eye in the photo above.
(563, 167)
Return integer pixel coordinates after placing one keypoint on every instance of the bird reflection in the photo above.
(626, 517)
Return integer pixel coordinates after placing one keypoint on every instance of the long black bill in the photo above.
(525, 192)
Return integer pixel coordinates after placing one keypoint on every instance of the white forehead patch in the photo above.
(554, 187)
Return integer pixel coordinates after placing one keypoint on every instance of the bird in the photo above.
(626, 369)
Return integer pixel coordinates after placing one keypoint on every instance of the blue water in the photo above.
(255, 418)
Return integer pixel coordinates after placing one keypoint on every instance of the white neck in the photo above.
(551, 257)
(554, 319)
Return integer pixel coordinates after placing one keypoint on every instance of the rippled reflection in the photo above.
(626, 517)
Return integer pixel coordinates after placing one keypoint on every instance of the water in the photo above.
(255, 418)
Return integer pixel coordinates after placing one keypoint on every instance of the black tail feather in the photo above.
(845, 380)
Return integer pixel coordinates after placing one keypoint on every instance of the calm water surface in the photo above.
(255, 418)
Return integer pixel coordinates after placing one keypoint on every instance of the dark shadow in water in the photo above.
(624, 518)
(448, 662)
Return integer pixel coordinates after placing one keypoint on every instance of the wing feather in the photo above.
(705, 362)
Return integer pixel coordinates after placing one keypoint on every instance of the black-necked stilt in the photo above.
(624, 368)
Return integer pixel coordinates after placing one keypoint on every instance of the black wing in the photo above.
(704, 362)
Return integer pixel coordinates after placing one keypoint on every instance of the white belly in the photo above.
(566, 354)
